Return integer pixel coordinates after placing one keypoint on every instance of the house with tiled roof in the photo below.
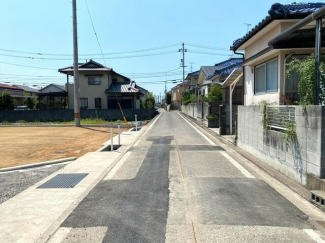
(218, 74)
(176, 93)
(267, 51)
(16, 92)
(100, 87)
(289, 31)
(191, 80)
(31, 91)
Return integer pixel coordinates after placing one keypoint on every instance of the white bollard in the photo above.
(136, 123)
(119, 133)
(112, 146)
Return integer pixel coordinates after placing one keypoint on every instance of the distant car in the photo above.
(21, 108)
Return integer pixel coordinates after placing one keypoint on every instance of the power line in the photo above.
(92, 54)
(19, 65)
(100, 48)
(64, 59)
(208, 47)
(26, 75)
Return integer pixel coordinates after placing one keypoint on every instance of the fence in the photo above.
(304, 158)
(279, 116)
(67, 115)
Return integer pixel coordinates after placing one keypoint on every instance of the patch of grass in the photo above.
(85, 121)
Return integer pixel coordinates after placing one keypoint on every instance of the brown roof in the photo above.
(88, 66)
(7, 86)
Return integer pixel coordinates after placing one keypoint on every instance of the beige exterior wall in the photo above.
(92, 91)
(176, 94)
(260, 44)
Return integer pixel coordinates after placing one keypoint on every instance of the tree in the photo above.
(215, 93)
(7, 102)
(30, 103)
(168, 98)
(149, 103)
(187, 97)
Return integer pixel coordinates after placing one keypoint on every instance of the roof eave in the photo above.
(263, 24)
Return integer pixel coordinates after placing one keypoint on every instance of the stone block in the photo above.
(301, 121)
(312, 111)
(273, 152)
(260, 146)
(314, 169)
(301, 132)
(314, 135)
(314, 147)
(315, 123)
(313, 158)
(290, 159)
(301, 143)
(281, 155)
(266, 149)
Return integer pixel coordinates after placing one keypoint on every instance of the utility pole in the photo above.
(183, 50)
(75, 65)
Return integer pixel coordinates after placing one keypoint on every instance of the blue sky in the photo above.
(45, 26)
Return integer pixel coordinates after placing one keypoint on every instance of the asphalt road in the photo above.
(176, 186)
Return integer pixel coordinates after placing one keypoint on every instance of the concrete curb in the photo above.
(66, 125)
(50, 162)
(44, 237)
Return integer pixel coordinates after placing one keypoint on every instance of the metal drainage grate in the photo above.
(63, 181)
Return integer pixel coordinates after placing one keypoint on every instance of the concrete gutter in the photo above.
(50, 162)
(294, 186)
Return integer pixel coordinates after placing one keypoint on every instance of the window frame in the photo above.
(94, 83)
(277, 73)
(83, 107)
(100, 103)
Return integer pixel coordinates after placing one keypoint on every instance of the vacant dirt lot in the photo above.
(25, 145)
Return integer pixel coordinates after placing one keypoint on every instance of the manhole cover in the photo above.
(63, 181)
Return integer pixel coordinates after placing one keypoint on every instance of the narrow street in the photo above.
(176, 185)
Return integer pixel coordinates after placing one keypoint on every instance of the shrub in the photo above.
(213, 116)
(188, 98)
(7, 102)
(215, 93)
(149, 103)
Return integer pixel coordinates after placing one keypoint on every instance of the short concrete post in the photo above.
(136, 123)
(119, 133)
(112, 146)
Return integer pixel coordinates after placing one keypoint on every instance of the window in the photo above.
(83, 102)
(266, 77)
(98, 103)
(125, 103)
(94, 81)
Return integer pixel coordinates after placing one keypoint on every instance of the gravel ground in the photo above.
(13, 183)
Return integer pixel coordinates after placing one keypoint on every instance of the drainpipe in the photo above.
(285, 68)
(318, 54)
(243, 55)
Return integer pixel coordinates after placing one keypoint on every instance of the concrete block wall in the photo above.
(303, 158)
(198, 111)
